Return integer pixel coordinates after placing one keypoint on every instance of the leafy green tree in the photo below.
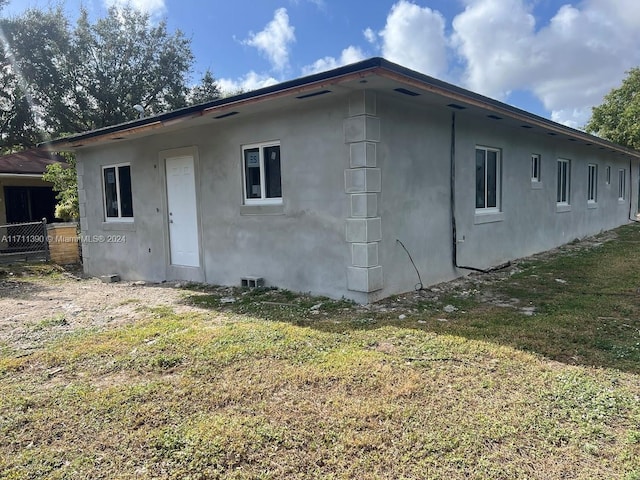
(206, 90)
(57, 78)
(618, 117)
(34, 46)
(64, 182)
(123, 60)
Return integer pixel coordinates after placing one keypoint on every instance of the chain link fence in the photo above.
(24, 241)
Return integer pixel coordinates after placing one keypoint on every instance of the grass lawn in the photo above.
(275, 385)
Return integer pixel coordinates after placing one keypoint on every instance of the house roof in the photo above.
(28, 162)
(374, 73)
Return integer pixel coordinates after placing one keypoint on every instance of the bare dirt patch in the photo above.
(33, 309)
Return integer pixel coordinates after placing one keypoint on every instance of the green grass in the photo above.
(57, 320)
(264, 388)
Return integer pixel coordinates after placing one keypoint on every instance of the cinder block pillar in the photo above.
(363, 184)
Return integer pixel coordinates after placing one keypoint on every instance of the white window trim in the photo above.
(567, 180)
(119, 218)
(622, 184)
(498, 207)
(592, 197)
(260, 201)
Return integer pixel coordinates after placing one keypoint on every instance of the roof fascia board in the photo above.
(21, 175)
(293, 91)
(116, 135)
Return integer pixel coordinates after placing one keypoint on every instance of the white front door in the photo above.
(183, 219)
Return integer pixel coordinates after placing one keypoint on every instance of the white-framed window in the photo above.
(607, 175)
(535, 167)
(592, 183)
(261, 173)
(622, 184)
(487, 179)
(116, 189)
(564, 181)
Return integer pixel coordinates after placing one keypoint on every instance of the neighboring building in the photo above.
(24, 196)
(316, 185)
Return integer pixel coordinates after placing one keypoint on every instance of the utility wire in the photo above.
(419, 285)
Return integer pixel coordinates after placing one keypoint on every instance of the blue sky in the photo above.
(553, 58)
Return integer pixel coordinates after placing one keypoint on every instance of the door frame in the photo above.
(178, 272)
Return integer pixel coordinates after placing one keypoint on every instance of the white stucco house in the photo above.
(319, 184)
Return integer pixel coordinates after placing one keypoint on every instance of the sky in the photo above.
(554, 58)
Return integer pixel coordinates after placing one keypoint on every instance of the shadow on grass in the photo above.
(16, 279)
(578, 306)
(19, 289)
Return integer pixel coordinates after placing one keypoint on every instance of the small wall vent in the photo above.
(456, 106)
(252, 282)
(314, 94)
(404, 91)
(225, 115)
(494, 117)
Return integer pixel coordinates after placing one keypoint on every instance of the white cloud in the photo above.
(370, 36)
(569, 63)
(153, 7)
(493, 36)
(275, 39)
(250, 81)
(572, 117)
(349, 55)
(414, 37)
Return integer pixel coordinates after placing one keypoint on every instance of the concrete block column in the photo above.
(363, 184)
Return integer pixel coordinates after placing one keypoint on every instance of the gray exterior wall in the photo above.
(415, 198)
(415, 160)
(303, 248)
(359, 173)
(531, 220)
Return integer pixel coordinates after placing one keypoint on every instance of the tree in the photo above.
(206, 91)
(618, 117)
(123, 60)
(33, 46)
(58, 79)
(64, 182)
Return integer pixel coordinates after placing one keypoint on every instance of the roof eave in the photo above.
(297, 86)
(460, 95)
(20, 175)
